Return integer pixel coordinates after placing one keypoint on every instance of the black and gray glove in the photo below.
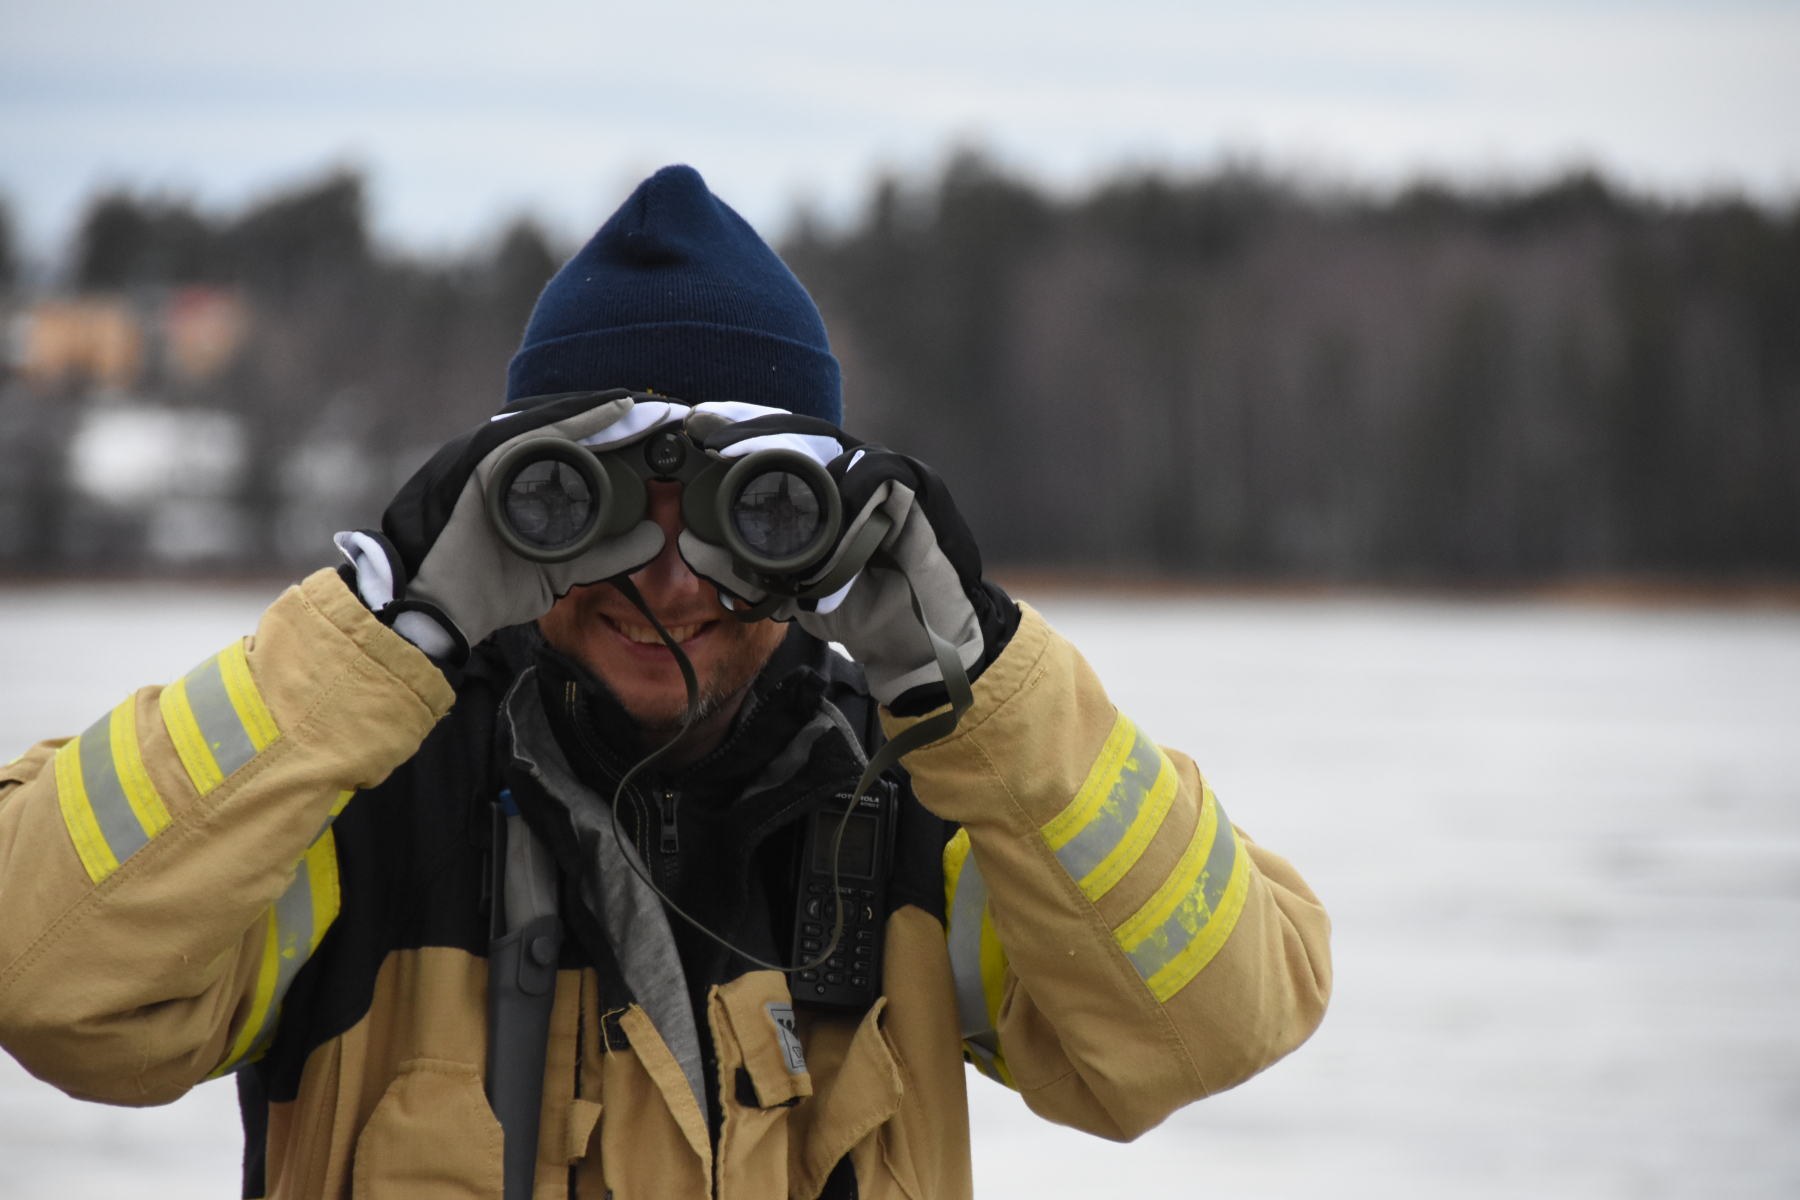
(872, 616)
(436, 573)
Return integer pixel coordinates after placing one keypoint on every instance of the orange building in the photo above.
(92, 338)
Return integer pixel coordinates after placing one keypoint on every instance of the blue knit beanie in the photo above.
(678, 295)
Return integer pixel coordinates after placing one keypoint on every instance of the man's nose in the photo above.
(667, 576)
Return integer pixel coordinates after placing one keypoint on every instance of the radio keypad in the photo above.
(859, 943)
(849, 974)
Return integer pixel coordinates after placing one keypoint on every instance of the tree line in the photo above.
(1229, 375)
(1217, 375)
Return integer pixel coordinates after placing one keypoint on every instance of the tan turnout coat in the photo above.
(1115, 948)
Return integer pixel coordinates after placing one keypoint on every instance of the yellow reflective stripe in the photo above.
(216, 718)
(190, 743)
(134, 777)
(1101, 776)
(1180, 928)
(209, 699)
(297, 922)
(258, 722)
(1180, 883)
(993, 968)
(1113, 818)
(956, 853)
(78, 814)
(262, 999)
(1125, 854)
(1179, 970)
(109, 804)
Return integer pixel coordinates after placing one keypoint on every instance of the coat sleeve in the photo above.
(164, 874)
(1119, 948)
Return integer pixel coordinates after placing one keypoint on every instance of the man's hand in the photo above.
(872, 616)
(436, 572)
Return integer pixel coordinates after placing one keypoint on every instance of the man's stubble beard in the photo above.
(734, 673)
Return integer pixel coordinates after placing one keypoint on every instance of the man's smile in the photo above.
(605, 632)
(644, 635)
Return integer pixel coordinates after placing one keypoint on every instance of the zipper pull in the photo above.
(671, 844)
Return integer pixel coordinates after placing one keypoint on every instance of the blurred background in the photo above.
(1469, 292)
(1399, 401)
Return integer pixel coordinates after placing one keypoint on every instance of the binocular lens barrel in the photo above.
(777, 510)
(548, 503)
(778, 515)
(547, 499)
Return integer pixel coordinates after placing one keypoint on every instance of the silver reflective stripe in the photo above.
(293, 942)
(119, 825)
(964, 940)
(337, 809)
(1220, 861)
(1107, 829)
(1196, 911)
(986, 1049)
(297, 922)
(294, 920)
(218, 718)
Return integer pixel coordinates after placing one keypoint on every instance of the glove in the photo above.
(928, 545)
(437, 574)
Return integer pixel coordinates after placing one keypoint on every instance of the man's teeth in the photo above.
(646, 636)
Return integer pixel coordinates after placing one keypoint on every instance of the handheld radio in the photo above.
(850, 976)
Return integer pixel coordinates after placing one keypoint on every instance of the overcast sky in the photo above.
(463, 114)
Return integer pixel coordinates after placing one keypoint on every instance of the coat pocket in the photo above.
(432, 1135)
(856, 1087)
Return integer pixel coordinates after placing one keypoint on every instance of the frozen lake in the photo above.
(1561, 846)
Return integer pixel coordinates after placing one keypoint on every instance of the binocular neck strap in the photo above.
(956, 681)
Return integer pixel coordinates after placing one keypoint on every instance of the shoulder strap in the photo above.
(522, 960)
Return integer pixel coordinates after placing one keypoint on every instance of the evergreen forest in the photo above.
(1219, 376)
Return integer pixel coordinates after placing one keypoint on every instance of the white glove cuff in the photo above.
(425, 633)
(830, 603)
(374, 574)
(375, 584)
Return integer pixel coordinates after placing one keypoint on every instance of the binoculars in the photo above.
(777, 511)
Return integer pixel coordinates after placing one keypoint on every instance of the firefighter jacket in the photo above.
(274, 867)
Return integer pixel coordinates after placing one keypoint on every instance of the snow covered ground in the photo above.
(1561, 846)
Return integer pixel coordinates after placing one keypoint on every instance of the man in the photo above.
(369, 859)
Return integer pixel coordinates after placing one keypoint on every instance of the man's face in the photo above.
(600, 628)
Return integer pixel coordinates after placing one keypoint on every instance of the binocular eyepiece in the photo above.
(777, 511)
